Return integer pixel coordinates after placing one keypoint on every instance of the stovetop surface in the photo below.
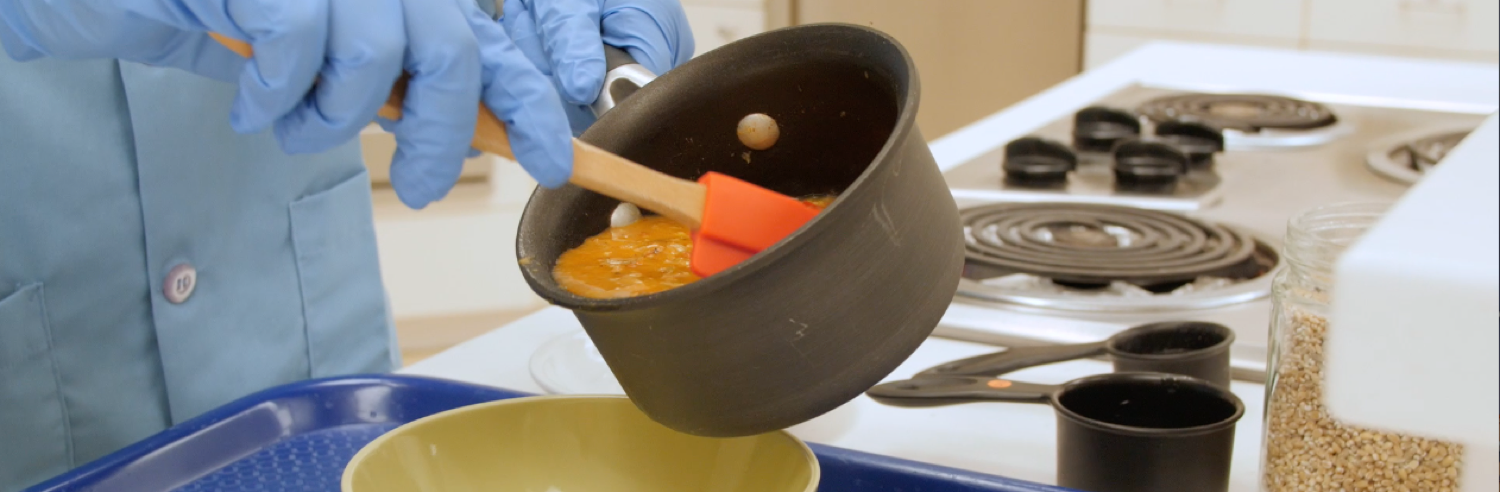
(1259, 190)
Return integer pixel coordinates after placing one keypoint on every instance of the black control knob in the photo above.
(1148, 166)
(1035, 162)
(1198, 141)
(1099, 128)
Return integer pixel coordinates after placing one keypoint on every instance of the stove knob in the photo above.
(1198, 141)
(1038, 162)
(1148, 166)
(1098, 129)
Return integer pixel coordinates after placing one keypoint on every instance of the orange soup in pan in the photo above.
(645, 257)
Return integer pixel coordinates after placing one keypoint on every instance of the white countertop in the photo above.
(1017, 440)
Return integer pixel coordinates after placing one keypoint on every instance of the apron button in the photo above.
(180, 283)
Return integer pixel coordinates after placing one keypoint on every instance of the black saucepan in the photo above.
(1117, 432)
(826, 313)
(1192, 348)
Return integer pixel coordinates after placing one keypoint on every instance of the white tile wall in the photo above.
(1459, 25)
(1101, 45)
(1405, 51)
(1261, 18)
(1452, 29)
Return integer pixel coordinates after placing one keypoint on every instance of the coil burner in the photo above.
(1251, 120)
(1407, 157)
(1108, 258)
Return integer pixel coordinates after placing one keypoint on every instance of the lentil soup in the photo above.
(647, 256)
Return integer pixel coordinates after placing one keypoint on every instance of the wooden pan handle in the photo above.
(594, 169)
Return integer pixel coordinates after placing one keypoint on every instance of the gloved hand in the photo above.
(563, 39)
(456, 54)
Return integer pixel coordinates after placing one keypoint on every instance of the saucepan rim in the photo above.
(1112, 346)
(1055, 398)
(905, 122)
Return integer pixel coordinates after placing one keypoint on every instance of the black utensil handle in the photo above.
(1013, 359)
(953, 390)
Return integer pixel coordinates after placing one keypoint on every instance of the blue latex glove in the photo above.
(456, 54)
(564, 38)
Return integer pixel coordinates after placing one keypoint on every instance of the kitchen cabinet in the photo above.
(378, 147)
(450, 269)
(974, 57)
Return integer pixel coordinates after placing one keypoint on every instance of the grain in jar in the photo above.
(1304, 448)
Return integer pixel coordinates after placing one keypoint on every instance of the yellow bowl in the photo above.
(567, 443)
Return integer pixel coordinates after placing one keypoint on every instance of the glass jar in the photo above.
(1304, 449)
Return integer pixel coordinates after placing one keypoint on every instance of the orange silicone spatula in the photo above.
(731, 219)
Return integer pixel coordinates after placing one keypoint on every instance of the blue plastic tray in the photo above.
(298, 437)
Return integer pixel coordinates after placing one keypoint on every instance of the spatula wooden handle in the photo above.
(594, 169)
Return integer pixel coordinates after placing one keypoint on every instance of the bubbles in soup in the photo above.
(645, 257)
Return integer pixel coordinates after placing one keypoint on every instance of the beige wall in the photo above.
(975, 57)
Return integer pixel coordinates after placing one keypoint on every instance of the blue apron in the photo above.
(154, 264)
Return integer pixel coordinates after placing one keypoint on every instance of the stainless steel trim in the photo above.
(622, 81)
(1062, 303)
(1281, 139)
(1379, 158)
(1240, 368)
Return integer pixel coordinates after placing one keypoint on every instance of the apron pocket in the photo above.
(34, 442)
(343, 299)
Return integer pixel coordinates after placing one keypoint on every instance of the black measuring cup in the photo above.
(1194, 348)
(1116, 432)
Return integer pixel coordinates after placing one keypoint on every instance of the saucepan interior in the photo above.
(834, 93)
